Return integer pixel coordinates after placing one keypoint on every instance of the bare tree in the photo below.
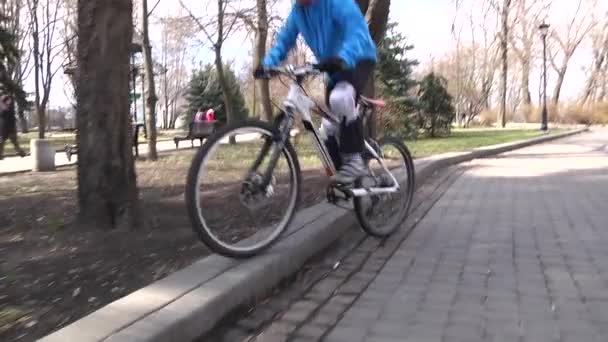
(44, 17)
(524, 35)
(599, 40)
(578, 27)
(504, 59)
(494, 57)
(150, 90)
(107, 190)
(175, 35)
(216, 32)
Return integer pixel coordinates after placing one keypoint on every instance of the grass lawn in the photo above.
(235, 158)
(59, 139)
(463, 140)
(459, 140)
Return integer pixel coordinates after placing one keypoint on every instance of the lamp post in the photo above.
(544, 31)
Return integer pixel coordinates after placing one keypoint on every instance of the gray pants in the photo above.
(342, 102)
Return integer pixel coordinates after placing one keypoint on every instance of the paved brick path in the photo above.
(510, 249)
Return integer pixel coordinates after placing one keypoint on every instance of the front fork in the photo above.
(273, 145)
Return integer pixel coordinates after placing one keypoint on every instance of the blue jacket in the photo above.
(331, 28)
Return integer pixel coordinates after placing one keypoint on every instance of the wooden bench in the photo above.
(71, 150)
(197, 130)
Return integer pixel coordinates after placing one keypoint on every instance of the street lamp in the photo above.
(544, 31)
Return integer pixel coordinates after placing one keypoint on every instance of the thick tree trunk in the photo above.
(150, 92)
(376, 13)
(504, 40)
(107, 190)
(260, 50)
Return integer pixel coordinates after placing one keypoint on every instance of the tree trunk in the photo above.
(226, 91)
(604, 84)
(22, 120)
(594, 78)
(20, 108)
(166, 96)
(260, 51)
(37, 62)
(561, 75)
(525, 83)
(504, 40)
(219, 66)
(376, 13)
(174, 114)
(150, 94)
(107, 190)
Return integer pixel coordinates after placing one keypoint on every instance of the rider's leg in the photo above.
(342, 101)
(329, 133)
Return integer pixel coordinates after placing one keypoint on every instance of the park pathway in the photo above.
(16, 164)
(512, 248)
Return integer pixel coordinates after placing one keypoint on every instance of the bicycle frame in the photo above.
(297, 101)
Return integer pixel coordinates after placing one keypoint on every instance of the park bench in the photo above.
(71, 150)
(197, 130)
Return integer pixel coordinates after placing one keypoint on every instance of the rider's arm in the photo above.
(348, 16)
(286, 39)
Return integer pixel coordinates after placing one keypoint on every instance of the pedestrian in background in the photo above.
(8, 125)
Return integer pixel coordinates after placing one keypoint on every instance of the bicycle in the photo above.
(259, 182)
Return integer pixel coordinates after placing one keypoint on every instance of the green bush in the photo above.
(204, 91)
(436, 110)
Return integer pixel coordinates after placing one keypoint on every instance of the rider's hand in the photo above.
(259, 72)
(332, 64)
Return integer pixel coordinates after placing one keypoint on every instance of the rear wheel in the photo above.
(231, 210)
(380, 215)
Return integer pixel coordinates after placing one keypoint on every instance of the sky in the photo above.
(427, 25)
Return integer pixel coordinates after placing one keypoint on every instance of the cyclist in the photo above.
(338, 35)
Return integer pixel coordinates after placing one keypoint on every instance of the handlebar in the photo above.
(292, 71)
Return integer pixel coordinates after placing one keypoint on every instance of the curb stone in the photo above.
(188, 303)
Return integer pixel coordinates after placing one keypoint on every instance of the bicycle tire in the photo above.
(193, 184)
(368, 227)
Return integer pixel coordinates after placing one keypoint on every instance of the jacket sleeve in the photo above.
(348, 15)
(286, 39)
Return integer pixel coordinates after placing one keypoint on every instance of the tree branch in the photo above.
(153, 8)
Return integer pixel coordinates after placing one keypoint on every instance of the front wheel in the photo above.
(233, 210)
(380, 215)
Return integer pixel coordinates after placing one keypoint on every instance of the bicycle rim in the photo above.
(230, 218)
(380, 215)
